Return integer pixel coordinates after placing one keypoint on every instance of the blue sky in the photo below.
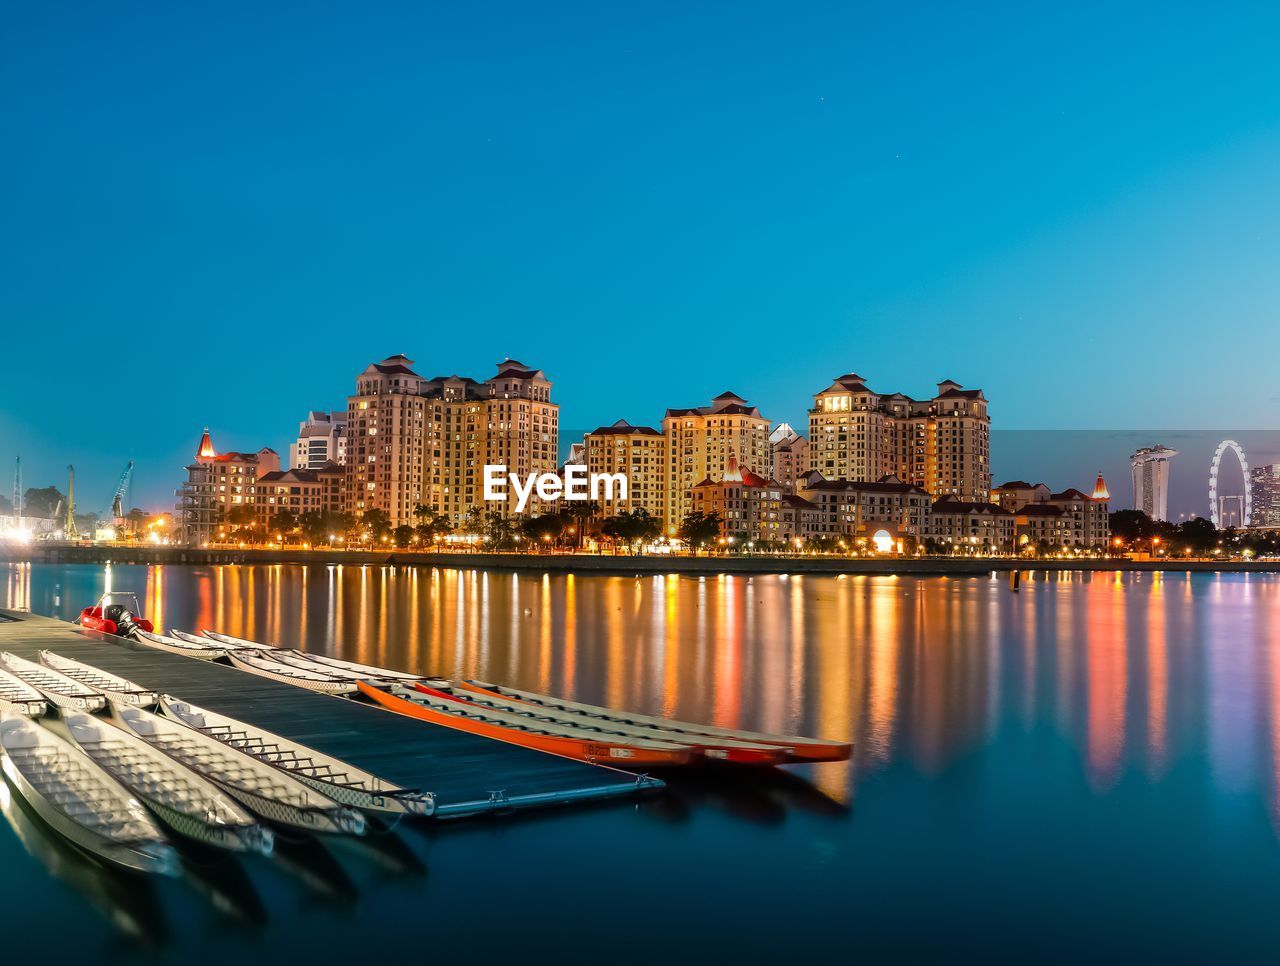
(219, 216)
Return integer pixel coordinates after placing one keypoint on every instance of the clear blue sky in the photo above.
(220, 216)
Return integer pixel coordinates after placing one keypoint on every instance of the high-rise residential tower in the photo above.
(790, 456)
(942, 444)
(1150, 466)
(322, 438)
(700, 443)
(638, 451)
(425, 442)
(386, 441)
(522, 429)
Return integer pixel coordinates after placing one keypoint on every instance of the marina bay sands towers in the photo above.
(1150, 466)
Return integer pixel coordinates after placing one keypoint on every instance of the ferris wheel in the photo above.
(1218, 501)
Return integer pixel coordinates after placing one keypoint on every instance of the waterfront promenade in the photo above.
(620, 564)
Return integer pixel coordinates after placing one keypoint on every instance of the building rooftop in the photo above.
(727, 403)
(300, 475)
(1040, 510)
(624, 428)
(950, 504)
(1070, 493)
(886, 484)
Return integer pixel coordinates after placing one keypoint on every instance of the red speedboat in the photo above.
(112, 617)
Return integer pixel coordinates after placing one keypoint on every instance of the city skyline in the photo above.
(842, 186)
(1060, 458)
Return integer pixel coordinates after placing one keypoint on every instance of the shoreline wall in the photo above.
(583, 563)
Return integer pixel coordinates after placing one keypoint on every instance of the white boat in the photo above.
(18, 697)
(59, 689)
(195, 640)
(184, 801)
(237, 642)
(366, 671)
(294, 659)
(266, 790)
(203, 652)
(114, 688)
(275, 670)
(79, 800)
(338, 779)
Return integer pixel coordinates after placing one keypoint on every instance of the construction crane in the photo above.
(117, 501)
(17, 490)
(70, 529)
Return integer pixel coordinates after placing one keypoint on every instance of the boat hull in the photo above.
(156, 780)
(796, 750)
(595, 753)
(18, 697)
(150, 857)
(261, 788)
(56, 688)
(199, 653)
(28, 709)
(320, 687)
(114, 689)
(711, 749)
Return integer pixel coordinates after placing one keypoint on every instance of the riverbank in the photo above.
(607, 564)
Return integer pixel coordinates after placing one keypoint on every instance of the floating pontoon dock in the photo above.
(466, 773)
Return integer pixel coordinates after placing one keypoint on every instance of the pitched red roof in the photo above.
(205, 448)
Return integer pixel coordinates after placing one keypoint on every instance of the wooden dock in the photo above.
(467, 774)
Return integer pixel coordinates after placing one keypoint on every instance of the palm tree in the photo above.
(581, 512)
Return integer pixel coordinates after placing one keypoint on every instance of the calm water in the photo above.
(1086, 768)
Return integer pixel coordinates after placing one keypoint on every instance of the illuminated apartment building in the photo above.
(218, 483)
(750, 506)
(855, 509)
(300, 491)
(322, 438)
(1071, 518)
(700, 443)
(425, 442)
(638, 451)
(790, 456)
(386, 441)
(457, 426)
(942, 444)
(971, 527)
(522, 429)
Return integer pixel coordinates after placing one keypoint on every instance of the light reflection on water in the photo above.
(1077, 692)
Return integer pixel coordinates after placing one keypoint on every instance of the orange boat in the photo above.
(795, 749)
(714, 749)
(529, 730)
